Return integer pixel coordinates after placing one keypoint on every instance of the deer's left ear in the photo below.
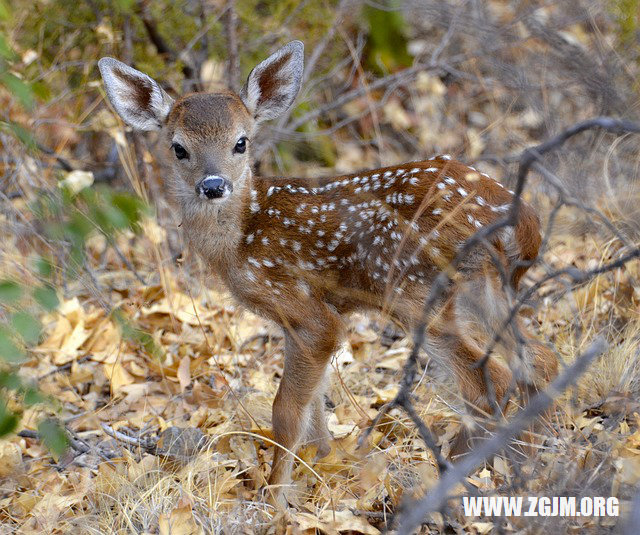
(273, 84)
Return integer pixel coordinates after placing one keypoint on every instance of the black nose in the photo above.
(212, 187)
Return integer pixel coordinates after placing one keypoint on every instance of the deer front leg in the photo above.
(296, 406)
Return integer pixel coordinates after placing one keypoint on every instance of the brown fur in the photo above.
(304, 252)
(269, 80)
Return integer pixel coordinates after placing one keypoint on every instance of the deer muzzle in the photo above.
(213, 187)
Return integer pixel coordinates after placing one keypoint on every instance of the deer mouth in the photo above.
(213, 187)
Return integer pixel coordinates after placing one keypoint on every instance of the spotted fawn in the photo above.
(304, 252)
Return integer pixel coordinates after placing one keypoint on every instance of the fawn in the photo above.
(303, 252)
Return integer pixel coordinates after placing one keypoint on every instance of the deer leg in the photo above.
(474, 389)
(481, 305)
(318, 433)
(465, 354)
(297, 404)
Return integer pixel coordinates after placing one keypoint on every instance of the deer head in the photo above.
(206, 136)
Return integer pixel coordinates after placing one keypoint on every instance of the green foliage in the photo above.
(46, 297)
(10, 351)
(69, 219)
(627, 13)
(74, 217)
(387, 45)
(21, 133)
(26, 326)
(8, 419)
(10, 291)
(53, 436)
(16, 87)
(137, 336)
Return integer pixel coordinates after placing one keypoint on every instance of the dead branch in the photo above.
(230, 30)
(159, 42)
(437, 498)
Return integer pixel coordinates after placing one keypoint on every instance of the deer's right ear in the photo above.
(138, 99)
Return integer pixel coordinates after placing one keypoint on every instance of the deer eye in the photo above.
(241, 145)
(181, 152)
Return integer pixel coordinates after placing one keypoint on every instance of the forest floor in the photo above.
(190, 442)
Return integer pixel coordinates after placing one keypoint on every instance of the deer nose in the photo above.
(213, 187)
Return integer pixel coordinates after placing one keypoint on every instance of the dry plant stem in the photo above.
(437, 498)
(76, 444)
(138, 442)
(230, 27)
(161, 45)
(64, 367)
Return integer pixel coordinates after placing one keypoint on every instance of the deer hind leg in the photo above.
(534, 364)
(483, 300)
(296, 407)
(465, 355)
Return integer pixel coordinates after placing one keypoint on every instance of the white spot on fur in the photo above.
(255, 207)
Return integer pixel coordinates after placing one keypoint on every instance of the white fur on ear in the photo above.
(273, 84)
(138, 99)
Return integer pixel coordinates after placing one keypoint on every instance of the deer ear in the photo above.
(273, 84)
(138, 99)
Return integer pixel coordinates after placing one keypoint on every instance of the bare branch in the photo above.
(437, 497)
(230, 30)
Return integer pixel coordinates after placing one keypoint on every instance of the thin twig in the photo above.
(436, 498)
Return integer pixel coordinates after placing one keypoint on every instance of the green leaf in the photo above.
(10, 292)
(10, 381)
(26, 326)
(46, 297)
(33, 396)
(44, 267)
(9, 351)
(132, 207)
(125, 5)
(387, 44)
(79, 227)
(20, 132)
(53, 436)
(41, 90)
(8, 420)
(18, 88)
(5, 49)
(144, 339)
(4, 10)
